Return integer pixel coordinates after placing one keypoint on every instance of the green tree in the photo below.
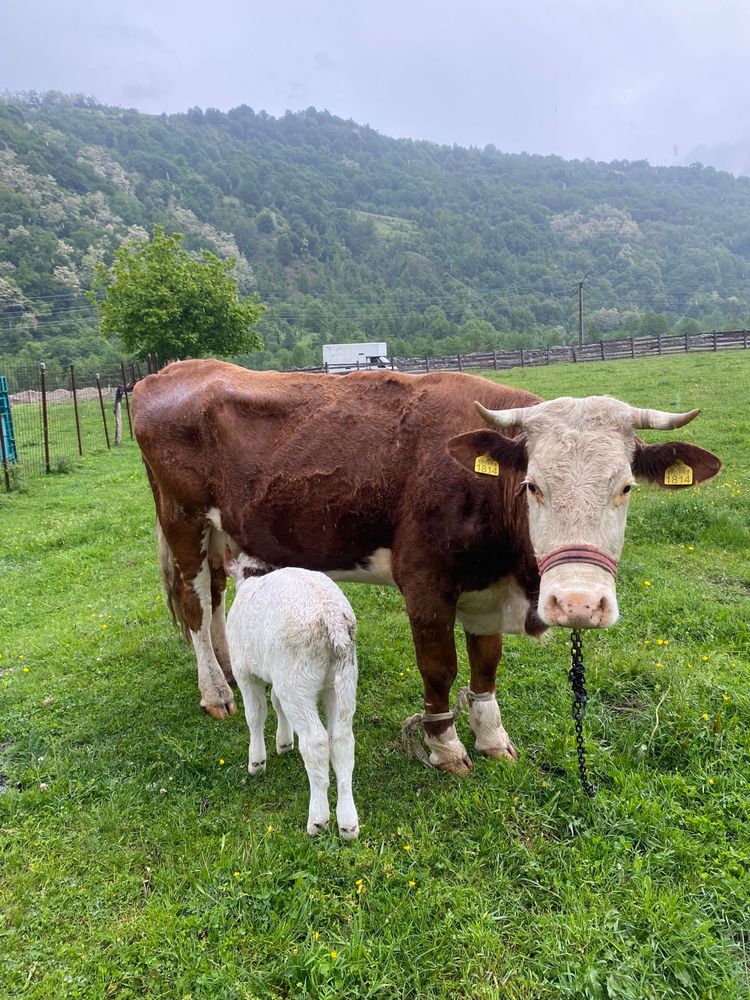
(160, 300)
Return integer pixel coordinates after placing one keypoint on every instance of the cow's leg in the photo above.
(188, 543)
(484, 712)
(218, 622)
(432, 631)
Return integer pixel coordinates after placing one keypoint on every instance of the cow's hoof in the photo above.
(256, 767)
(508, 753)
(282, 748)
(220, 711)
(349, 832)
(455, 766)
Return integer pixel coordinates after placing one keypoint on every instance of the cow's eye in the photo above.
(532, 488)
(627, 489)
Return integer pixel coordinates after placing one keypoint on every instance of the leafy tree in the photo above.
(162, 301)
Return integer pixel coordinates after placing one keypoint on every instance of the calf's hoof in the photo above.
(349, 832)
(282, 748)
(315, 828)
(220, 710)
(256, 767)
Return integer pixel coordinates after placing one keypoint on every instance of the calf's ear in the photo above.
(674, 464)
(471, 449)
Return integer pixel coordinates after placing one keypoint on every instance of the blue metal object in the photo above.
(6, 422)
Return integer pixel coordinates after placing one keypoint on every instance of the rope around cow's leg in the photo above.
(410, 742)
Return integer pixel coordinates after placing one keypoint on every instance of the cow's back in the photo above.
(305, 469)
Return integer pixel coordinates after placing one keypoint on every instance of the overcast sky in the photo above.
(663, 80)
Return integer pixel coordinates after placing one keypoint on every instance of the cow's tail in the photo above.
(172, 581)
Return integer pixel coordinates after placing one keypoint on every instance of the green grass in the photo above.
(136, 864)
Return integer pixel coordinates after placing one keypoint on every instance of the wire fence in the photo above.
(50, 415)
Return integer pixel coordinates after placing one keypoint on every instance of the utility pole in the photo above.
(580, 308)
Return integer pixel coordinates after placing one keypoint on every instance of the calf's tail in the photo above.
(342, 633)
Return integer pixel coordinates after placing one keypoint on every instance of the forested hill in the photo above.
(348, 235)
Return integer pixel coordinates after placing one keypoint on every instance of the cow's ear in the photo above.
(674, 464)
(488, 453)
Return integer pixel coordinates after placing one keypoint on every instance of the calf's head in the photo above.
(579, 459)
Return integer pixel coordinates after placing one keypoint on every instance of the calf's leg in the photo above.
(340, 702)
(301, 710)
(284, 732)
(484, 712)
(256, 709)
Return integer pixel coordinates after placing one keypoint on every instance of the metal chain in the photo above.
(580, 699)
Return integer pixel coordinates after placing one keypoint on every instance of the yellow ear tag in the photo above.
(678, 474)
(486, 465)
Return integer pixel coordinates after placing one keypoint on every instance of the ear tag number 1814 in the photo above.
(678, 474)
(486, 465)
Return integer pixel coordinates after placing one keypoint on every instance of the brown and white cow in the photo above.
(388, 478)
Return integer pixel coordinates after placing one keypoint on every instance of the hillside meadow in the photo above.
(140, 860)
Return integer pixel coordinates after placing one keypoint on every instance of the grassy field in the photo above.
(139, 860)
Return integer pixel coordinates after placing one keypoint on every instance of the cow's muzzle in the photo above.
(578, 587)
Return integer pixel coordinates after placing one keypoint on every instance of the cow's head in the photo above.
(579, 459)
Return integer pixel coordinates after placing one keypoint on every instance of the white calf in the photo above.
(294, 629)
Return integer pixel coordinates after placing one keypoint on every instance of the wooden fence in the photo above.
(603, 350)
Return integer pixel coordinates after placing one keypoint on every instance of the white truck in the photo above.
(349, 357)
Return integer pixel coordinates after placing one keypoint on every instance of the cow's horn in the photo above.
(660, 420)
(514, 417)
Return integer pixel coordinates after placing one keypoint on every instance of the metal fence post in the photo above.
(458, 356)
(75, 408)
(6, 470)
(427, 362)
(127, 404)
(101, 405)
(45, 419)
